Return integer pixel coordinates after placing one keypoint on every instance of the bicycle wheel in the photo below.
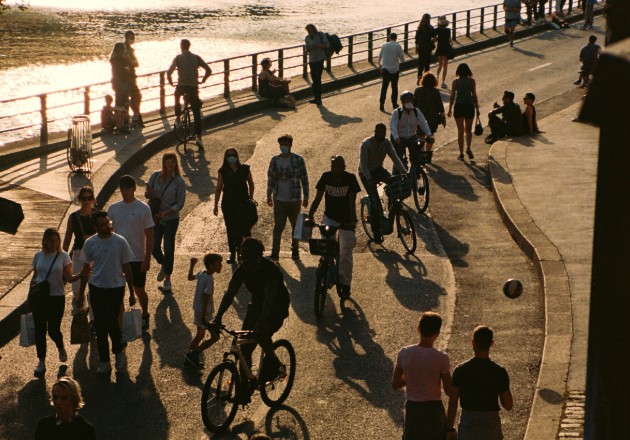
(218, 400)
(183, 130)
(319, 299)
(406, 230)
(421, 189)
(275, 392)
(365, 221)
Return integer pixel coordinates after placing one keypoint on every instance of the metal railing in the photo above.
(38, 115)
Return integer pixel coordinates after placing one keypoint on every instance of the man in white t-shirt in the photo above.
(132, 219)
(110, 255)
(421, 369)
(389, 59)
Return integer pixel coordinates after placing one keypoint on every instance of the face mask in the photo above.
(284, 149)
(232, 160)
(408, 105)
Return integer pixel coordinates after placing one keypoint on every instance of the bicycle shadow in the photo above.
(453, 183)
(285, 422)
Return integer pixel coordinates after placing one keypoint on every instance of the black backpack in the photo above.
(334, 42)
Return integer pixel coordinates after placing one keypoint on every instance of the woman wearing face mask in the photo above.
(237, 185)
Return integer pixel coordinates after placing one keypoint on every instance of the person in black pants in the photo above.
(389, 59)
(316, 44)
(237, 185)
(425, 44)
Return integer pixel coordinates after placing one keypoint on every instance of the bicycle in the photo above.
(419, 179)
(327, 272)
(224, 385)
(397, 188)
(184, 129)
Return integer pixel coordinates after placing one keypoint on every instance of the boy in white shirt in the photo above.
(203, 306)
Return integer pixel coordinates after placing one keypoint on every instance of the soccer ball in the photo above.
(512, 288)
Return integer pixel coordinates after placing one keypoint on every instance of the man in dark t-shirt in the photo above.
(340, 189)
(512, 122)
(480, 384)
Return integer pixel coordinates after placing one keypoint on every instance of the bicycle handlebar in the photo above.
(220, 327)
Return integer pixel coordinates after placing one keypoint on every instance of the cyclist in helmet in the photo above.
(407, 121)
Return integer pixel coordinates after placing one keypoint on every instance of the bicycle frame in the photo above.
(240, 338)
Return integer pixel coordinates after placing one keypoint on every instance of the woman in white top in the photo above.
(55, 266)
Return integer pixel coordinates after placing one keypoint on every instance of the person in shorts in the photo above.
(203, 307)
(132, 219)
(512, 10)
(464, 96)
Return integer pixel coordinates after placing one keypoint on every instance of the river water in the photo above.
(59, 44)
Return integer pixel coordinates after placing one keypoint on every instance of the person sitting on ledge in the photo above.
(512, 122)
(530, 126)
(273, 87)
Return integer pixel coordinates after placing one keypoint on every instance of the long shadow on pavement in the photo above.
(452, 183)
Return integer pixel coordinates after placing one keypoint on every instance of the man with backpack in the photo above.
(316, 45)
(404, 127)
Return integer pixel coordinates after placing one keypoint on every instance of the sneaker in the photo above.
(490, 140)
(295, 254)
(137, 121)
(104, 368)
(382, 107)
(191, 359)
(63, 355)
(270, 370)
(470, 154)
(460, 157)
(161, 275)
(444, 86)
(121, 360)
(314, 101)
(577, 82)
(199, 143)
(40, 370)
(167, 286)
(145, 322)
(274, 257)
(379, 240)
(343, 291)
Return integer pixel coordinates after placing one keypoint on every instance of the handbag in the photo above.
(155, 202)
(27, 330)
(132, 325)
(251, 213)
(478, 127)
(40, 291)
(80, 329)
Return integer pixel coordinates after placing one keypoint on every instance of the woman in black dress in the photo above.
(428, 100)
(237, 185)
(424, 44)
(444, 48)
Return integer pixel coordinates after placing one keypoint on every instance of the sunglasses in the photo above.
(86, 198)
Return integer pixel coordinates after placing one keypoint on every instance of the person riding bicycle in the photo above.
(187, 65)
(268, 308)
(405, 124)
(341, 188)
(371, 172)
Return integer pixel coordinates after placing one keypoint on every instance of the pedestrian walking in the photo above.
(287, 181)
(132, 219)
(80, 227)
(540, 11)
(478, 383)
(530, 124)
(316, 44)
(530, 5)
(464, 96)
(66, 423)
(389, 59)
(425, 43)
(421, 369)
(203, 307)
(589, 55)
(405, 124)
(121, 84)
(428, 100)
(340, 188)
(235, 182)
(135, 96)
(166, 191)
(273, 87)
(109, 256)
(444, 48)
(511, 123)
(53, 265)
(512, 10)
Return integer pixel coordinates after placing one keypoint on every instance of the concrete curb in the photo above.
(547, 406)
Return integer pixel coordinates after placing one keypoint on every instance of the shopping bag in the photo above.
(301, 231)
(80, 329)
(27, 330)
(132, 325)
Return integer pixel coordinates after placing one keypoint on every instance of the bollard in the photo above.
(226, 78)
(43, 130)
(281, 63)
(254, 72)
(350, 50)
(163, 93)
(86, 100)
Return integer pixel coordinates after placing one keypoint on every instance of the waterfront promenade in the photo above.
(342, 389)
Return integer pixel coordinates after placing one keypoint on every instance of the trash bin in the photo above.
(80, 144)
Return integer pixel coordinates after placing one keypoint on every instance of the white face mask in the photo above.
(408, 105)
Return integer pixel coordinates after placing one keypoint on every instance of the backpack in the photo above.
(400, 110)
(334, 42)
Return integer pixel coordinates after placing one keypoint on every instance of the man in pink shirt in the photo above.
(422, 369)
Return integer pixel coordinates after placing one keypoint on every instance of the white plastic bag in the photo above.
(132, 325)
(27, 330)
(301, 231)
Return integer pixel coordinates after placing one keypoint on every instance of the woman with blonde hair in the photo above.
(66, 423)
(166, 191)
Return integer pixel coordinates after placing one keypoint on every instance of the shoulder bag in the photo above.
(155, 202)
(40, 291)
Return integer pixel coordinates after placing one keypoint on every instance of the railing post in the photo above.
(86, 101)
(551, 7)
(43, 130)
(329, 64)
(304, 63)
(454, 21)
(163, 93)
(389, 31)
(482, 18)
(406, 38)
(226, 78)
(494, 19)
(370, 46)
(254, 72)
(350, 50)
(281, 63)
(468, 23)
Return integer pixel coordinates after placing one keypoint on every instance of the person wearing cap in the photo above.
(132, 219)
(511, 123)
(404, 126)
(444, 48)
(187, 65)
(389, 59)
(273, 87)
(512, 10)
